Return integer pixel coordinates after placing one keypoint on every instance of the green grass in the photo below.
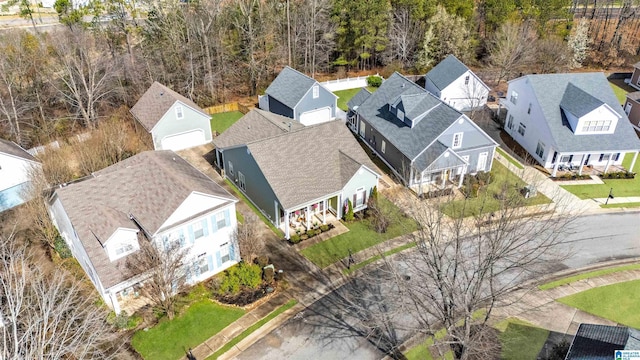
(619, 90)
(221, 122)
(254, 208)
(253, 328)
(169, 339)
(239, 217)
(345, 95)
(622, 205)
(510, 159)
(486, 202)
(370, 260)
(617, 302)
(359, 237)
(421, 351)
(520, 340)
(587, 275)
(621, 187)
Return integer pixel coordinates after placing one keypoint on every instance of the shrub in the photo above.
(123, 321)
(61, 247)
(268, 274)
(324, 228)
(311, 233)
(294, 239)
(374, 81)
(348, 216)
(241, 275)
(263, 261)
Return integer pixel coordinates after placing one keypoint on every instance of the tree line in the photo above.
(213, 51)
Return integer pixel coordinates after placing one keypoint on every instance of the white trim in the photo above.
(204, 114)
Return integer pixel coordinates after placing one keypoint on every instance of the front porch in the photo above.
(435, 181)
(588, 163)
(310, 216)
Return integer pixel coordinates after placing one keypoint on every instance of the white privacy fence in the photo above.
(348, 83)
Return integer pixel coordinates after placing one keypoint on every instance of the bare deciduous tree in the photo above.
(510, 49)
(247, 236)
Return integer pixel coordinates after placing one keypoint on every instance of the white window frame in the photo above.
(198, 230)
(484, 156)
(224, 253)
(179, 112)
(359, 197)
(363, 128)
(383, 147)
(221, 220)
(230, 168)
(540, 150)
(125, 248)
(457, 140)
(316, 91)
(510, 122)
(202, 263)
(522, 129)
(241, 181)
(628, 107)
(514, 97)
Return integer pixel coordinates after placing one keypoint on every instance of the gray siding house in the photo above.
(174, 122)
(300, 176)
(297, 96)
(422, 139)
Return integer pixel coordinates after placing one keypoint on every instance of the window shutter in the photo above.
(210, 262)
(205, 227)
(364, 197)
(214, 224)
(192, 238)
(218, 258)
(227, 218)
(355, 198)
(181, 235)
(232, 252)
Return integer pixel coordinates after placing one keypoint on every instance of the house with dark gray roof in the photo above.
(602, 342)
(302, 177)
(15, 167)
(153, 196)
(452, 82)
(421, 138)
(173, 121)
(569, 120)
(632, 109)
(299, 97)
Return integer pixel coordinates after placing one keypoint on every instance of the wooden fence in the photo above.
(226, 108)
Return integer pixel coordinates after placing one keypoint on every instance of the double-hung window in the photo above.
(540, 150)
(514, 98)
(241, 181)
(457, 140)
(521, 129)
(224, 252)
(316, 91)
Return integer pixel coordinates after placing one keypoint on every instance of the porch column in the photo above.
(420, 184)
(287, 226)
(324, 211)
(114, 302)
(555, 166)
(633, 162)
(461, 179)
(581, 164)
(444, 178)
(606, 168)
(218, 158)
(307, 215)
(339, 206)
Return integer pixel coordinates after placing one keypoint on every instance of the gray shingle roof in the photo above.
(255, 125)
(409, 141)
(635, 96)
(416, 106)
(358, 98)
(446, 72)
(13, 149)
(155, 102)
(598, 342)
(309, 163)
(550, 90)
(150, 186)
(578, 102)
(289, 86)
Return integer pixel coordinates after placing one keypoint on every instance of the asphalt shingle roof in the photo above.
(150, 186)
(446, 72)
(358, 98)
(255, 125)
(550, 91)
(289, 86)
(578, 102)
(13, 149)
(309, 163)
(599, 342)
(155, 102)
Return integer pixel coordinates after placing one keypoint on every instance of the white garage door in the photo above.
(184, 140)
(316, 116)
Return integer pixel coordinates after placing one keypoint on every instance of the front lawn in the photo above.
(345, 95)
(170, 339)
(587, 275)
(617, 302)
(621, 187)
(359, 237)
(221, 121)
(486, 201)
(520, 340)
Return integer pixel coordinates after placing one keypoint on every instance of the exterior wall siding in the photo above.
(13, 171)
(471, 138)
(634, 114)
(170, 125)
(635, 78)
(279, 108)
(430, 87)
(397, 160)
(308, 103)
(362, 179)
(474, 155)
(463, 96)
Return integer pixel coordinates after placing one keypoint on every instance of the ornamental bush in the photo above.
(374, 81)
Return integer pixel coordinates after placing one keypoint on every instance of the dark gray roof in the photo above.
(416, 106)
(309, 163)
(578, 102)
(289, 86)
(150, 186)
(446, 72)
(13, 149)
(549, 89)
(437, 157)
(358, 98)
(255, 125)
(598, 342)
(155, 102)
(410, 141)
(635, 96)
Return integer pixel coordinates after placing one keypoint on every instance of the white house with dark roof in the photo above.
(174, 122)
(452, 82)
(301, 176)
(15, 166)
(297, 96)
(569, 120)
(152, 196)
(421, 138)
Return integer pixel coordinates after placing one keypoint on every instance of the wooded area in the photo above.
(214, 51)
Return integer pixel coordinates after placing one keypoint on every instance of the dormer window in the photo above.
(514, 98)
(123, 249)
(122, 243)
(596, 126)
(316, 91)
(457, 140)
(179, 112)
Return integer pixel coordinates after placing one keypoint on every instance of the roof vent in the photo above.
(290, 126)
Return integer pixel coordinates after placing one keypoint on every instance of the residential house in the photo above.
(297, 96)
(174, 122)
(15, 167)
(153, 196)
(421, 138)
(635, 76)
(452, 82)
(632, 109)
(569, 120)
(603, 342)
(300, 176)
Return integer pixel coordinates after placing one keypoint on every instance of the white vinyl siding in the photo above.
(179, 112)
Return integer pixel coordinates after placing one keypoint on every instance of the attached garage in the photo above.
(316, 116)
(185, 140)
